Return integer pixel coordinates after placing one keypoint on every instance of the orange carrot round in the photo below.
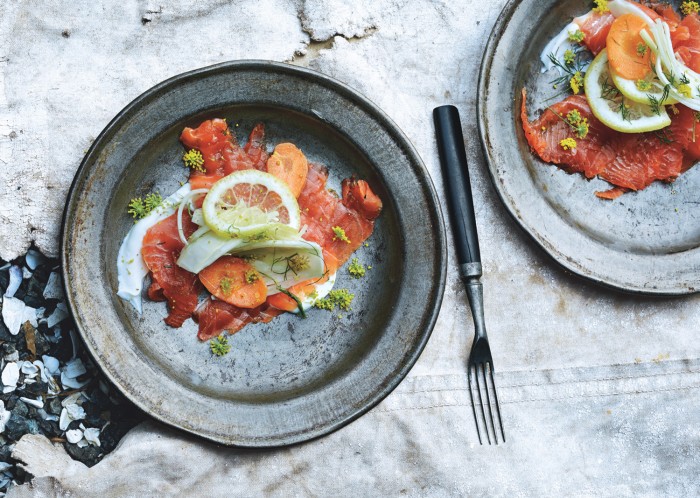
(234, 281)
(628, 55)
(289, 164)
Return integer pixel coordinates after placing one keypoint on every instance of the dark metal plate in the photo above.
(644, 242)
(292, 379)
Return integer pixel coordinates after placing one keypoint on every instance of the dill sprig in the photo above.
(665, 136)
(624, 110)
(609, 91)
(573, 67)
(655, 103)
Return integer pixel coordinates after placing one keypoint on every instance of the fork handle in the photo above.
(455, 172)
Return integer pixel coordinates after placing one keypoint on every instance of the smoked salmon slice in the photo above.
(629, 161)
(322, 210)
(220, 150)
(180, 288)
(255, 147)
(595, 28)
(215, 316)
(688, 49)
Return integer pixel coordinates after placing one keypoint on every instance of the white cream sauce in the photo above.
(558, 45)
(131, 270)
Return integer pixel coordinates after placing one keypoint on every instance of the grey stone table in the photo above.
(599, 390)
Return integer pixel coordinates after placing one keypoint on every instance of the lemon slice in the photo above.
(612, 108)
(246, 203)
(631, 90)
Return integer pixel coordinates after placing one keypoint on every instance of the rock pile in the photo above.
(49, 383)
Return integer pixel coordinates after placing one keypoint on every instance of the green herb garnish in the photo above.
(220, 346)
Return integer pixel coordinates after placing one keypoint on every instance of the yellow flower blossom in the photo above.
(568, 143)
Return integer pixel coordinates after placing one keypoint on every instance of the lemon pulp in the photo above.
(247, 203)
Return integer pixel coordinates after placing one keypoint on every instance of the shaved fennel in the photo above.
(680, 80)
(205, 246)
(186, 201)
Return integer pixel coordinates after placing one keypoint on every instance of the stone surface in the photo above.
(66, 70)
(599, 389)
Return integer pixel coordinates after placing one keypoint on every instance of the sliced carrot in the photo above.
(628, 54)
(289, 164)
(234, 281)
(304, 289)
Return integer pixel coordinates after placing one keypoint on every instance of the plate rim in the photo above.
(581, 271)
(422, 173)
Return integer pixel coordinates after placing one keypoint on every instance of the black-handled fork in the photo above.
(461, 209)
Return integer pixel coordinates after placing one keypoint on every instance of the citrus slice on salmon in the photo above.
(246, 203)
(612, 108)
(642, 91)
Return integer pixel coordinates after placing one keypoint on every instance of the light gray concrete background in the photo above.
(599, 390)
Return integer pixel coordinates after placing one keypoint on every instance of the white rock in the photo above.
(10, 375)
(4, 416)
(59, 314)
(75, 412)
(51, 364)
(15, 281)
(74, 435)
(70, 413)
(37, 403)
(33, 259)
(71, 372)
(12, 356)
(47, 416)
(47, 376)
(54, 287)
(92, 436)
(15, 313)
(29, 369)
(72, 399)
(74, 368)
(26, 274)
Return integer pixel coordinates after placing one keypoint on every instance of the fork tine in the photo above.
(471, 395)
(488, 400)
(498, 408)
(481, 401)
